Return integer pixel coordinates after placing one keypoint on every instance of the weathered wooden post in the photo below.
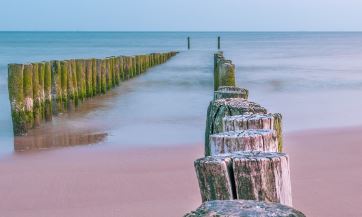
(36, 95)
(16, 96)
(188, 43)
(262, 176)
(226, 73)
(48, 91)
(28, 95)
(218, 42)
(255, 121)
(231, 92)
(218, 109)
(64, 84)
(244, 140)
(243, 208)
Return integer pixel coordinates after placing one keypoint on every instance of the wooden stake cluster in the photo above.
(225, 92)
(243, 208)
(245, 140)
(39, 90)
(262, 176)
(255, 121)
(253, 167)
(218, 109)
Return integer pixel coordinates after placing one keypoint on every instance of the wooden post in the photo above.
(64, 84)
(218, 42)
(218, 109)
(188, 43)
(245, 140)
(243, 208)
(48, 91)
(215, 178)
(37, 95)
(16, 96)
(262, 176)
(226, 73)
(28, 95)
(231, 92)
(256, 121)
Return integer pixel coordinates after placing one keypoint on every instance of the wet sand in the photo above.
(94, 181)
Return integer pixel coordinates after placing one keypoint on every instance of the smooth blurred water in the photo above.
(313, 79)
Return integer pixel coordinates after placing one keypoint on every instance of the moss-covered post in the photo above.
(28, 95)
(227, 74)
(36, 96)
(80, 70)
(64, 83)
(98, 76)
(70, 85)
(41, 67)
(121, 68)
(88, 78)
(108, 74)
(94, 77)
(48, 91)
(103, 76)
(116, 69)
(16, 96)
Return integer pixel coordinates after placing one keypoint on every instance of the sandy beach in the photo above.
(95, 181)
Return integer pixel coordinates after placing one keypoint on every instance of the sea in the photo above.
(314, 79)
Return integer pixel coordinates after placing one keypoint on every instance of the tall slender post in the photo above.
(218, 42)
(188, 43)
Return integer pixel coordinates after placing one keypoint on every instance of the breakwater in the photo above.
(243, 172)
(37, 91)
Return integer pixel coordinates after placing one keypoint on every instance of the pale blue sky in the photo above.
(182, 15)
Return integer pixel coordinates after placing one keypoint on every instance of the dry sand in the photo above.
(96, 181)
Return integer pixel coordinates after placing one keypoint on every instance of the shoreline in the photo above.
(101, 181)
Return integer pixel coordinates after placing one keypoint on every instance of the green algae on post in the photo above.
(36, 95)
(16, 96)
(48, 91)
(64, 83)
(28, 95)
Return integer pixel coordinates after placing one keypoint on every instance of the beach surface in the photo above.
(94, 181)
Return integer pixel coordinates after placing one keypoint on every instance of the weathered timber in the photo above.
(262, 176)
(215, 178)
(16, 96)
(41, 68)
(64, 83)
(255, 121)
(225, 92)
(224, 71)
(28, 95)
(218, 109)
(37, 98)
(48, 91)
(244, 140)
(243, 208)
(39, 90)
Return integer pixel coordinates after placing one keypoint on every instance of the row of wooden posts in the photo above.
(244, 172)
(37, 91)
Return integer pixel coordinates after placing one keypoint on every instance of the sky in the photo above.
(181, 15)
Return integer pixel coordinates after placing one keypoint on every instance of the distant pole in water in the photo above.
(188, 43)
(218, 42)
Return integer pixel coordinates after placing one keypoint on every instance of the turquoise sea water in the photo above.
(313, 79)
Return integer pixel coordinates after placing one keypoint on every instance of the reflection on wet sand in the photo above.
(77, 127)
(53, 140)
